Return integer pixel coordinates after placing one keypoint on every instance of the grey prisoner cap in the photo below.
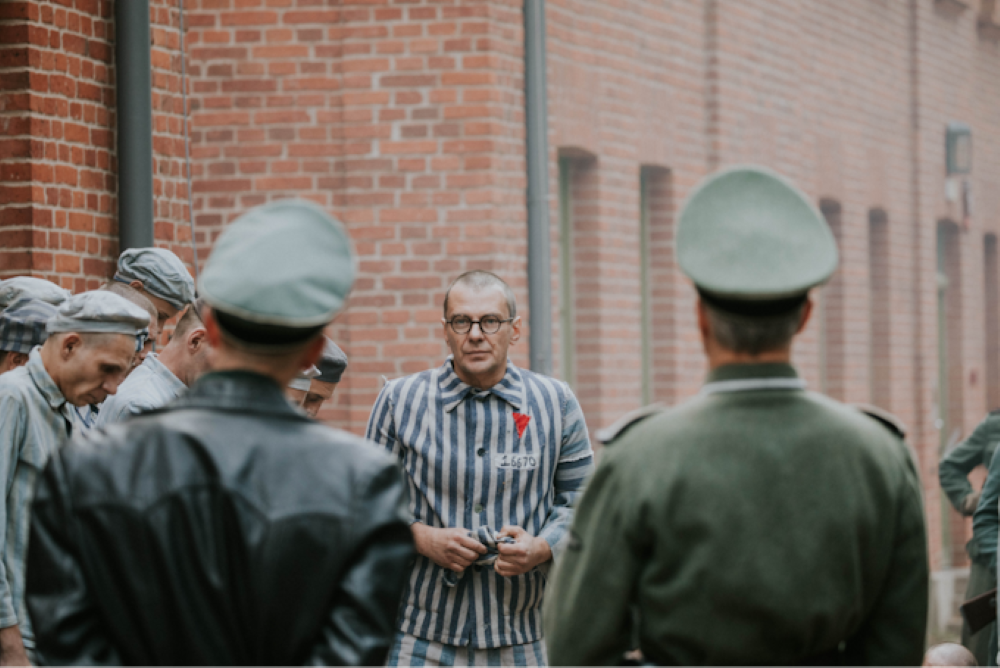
(332, 363)
(29, 287)
(99, 311)
(161, 273)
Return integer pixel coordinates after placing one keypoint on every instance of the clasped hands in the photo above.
(456, 550)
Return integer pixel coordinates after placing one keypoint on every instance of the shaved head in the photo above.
(949, 655)
(480, 280)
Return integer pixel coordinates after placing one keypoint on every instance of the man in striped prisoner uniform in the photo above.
(496, 457)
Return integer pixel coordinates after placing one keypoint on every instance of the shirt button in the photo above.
(481, 452)
(478, 507)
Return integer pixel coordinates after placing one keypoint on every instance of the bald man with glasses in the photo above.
(495, 458)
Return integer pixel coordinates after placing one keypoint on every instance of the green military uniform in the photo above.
(977, 450)
(953, 472)
(757, 523)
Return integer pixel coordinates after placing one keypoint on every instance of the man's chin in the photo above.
(479, 365)
(87, 400)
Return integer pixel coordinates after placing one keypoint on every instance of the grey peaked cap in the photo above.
(288, 264)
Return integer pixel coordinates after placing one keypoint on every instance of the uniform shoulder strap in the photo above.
(884, 418)
(608, 434)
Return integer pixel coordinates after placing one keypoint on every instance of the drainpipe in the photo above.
(133, 73)
(537, 158)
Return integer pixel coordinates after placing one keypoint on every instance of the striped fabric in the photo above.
(516, 454)
(410, 651)
(22, 325)
(36, 421)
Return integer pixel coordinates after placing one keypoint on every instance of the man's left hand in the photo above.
(521, 556)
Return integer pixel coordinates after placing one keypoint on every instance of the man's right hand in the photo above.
(12, 647)
(453, 549)
(970, 503)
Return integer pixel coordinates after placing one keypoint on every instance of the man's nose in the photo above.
(111, 385)
(476, 331)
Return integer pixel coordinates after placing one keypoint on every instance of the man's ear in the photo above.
(197, 338)
(137, 285)
(211, 327)
(18, 359)
(312, 353)
(69, 345)
(515, 326)
(807, 310)
(703, 322)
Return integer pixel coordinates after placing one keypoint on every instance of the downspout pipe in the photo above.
(537, 159)
(133, 74)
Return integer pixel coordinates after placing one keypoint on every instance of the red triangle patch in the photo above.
(521, 421)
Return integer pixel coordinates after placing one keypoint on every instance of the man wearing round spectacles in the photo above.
(496, 457)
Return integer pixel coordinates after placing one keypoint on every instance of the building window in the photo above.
(831, 313)
(879, 349)
(657, 287)
(950, 374)
(991, 294)
(579, 310)
(567, 311)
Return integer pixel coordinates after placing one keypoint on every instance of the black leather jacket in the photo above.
(226, 528)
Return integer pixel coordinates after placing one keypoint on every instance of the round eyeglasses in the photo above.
(489, 324)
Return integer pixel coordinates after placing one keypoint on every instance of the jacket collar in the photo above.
(153, 363)
(43, 381)
(453, 390)
(743, 377)
(244, 391)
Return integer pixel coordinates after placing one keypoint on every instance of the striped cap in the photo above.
(22, 325)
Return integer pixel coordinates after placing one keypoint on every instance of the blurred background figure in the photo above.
(953, 472)
(949, 654)
(22, 327)
(313, 388)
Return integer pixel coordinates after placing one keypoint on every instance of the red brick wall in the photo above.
(58, 164)
(627, 88)
(171, 227)
(58, 178)
(405, 119)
